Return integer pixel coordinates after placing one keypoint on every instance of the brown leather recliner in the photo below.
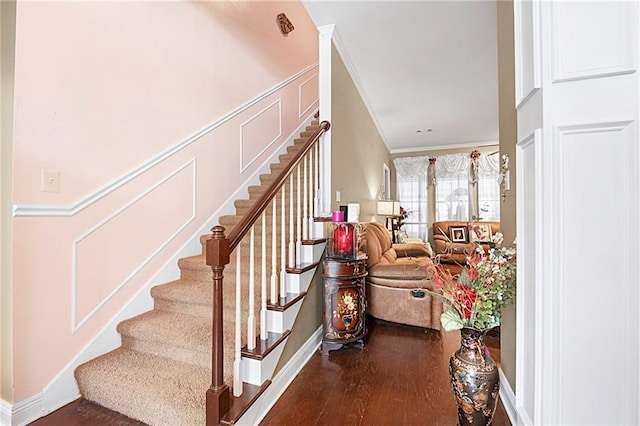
(398, 275)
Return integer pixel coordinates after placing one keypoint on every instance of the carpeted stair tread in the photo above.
(185, 296)
(198, 263)
(152, 389)
(176, 329)
(203, 242)
(194, 262)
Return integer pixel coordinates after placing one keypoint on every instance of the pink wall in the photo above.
(101, 90)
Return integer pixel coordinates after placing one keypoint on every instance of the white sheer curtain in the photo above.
(452, 187)
(411, 188)
(489, 187)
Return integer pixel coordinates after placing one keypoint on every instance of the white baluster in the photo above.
(298, 217)
(263, 279)
(237, 379)
(251, 320)
(310, 219)
(274, 253)
(283, 249)
(316, 187)
(305, 223)
(292, 252)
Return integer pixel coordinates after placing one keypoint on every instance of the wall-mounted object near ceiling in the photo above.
(284, 23)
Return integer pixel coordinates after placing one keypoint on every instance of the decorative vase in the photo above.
(474, 379)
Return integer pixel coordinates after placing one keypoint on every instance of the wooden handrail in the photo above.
(219, 248)
(244, 226)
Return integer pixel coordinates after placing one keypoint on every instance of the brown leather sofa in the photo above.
(453, 255)
(397, 275)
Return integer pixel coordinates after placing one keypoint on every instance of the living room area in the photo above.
(446, 184)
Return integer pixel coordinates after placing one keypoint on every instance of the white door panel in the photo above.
(578, 325)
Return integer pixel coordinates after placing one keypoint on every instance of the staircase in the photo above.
(162, 372)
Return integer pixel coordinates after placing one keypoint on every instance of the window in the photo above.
(411, 188)
(459, 193)
(452, 187)
(489, 194)
(464, 195)
(412, 194)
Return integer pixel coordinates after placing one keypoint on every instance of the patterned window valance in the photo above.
(452, 165)
(411, 167)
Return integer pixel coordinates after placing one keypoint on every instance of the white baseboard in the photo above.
(63, 389)
(508, 397)
(21, 413)
(281, 381)
(5, 413)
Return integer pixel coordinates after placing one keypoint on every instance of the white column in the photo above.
(324, 81)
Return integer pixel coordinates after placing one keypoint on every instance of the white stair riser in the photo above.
(279, 322)
(256, 372)
(312, 253)
(297, 283)
(317, 229)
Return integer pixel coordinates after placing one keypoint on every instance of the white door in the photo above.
(578, 211)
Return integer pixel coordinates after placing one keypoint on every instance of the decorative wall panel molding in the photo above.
(22, 210)
(528, 312)
(307, 94)
(527, 40)
(91, 254)
(605, 29)
(259, 132)
(611, 198)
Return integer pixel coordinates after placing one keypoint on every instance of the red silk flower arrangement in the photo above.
(484, 286)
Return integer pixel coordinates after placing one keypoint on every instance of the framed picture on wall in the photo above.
(480, 232)
(458, 234)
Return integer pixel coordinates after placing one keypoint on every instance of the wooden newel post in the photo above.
(218, 401)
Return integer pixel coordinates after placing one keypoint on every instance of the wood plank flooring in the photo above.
(400, 378)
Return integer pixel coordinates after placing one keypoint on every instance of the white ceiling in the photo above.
(421, 65)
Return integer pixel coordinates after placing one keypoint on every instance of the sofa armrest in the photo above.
(413, 249)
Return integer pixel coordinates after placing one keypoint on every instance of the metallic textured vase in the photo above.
(474, 379)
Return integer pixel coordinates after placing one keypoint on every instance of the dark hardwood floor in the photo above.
(400, 378)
